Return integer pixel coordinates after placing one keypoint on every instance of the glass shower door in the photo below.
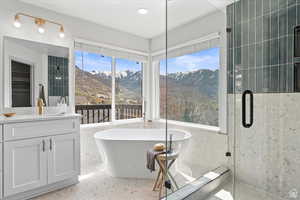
(191, 87)
(263, 98)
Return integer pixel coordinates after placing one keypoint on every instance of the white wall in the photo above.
(74, 28)
(215, 22)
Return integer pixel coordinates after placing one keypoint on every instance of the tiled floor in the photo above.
(242, 192)
(99, 186)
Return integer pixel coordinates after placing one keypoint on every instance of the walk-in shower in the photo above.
(258, 99)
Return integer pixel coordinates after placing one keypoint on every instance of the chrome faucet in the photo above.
(61, 100)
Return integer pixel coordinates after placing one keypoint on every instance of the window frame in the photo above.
(113, 89)
(222, 103)
(113, 103)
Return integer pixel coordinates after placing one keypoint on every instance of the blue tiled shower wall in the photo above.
(58, 67)
(260, 45)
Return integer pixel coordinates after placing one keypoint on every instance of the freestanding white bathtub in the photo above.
(124, 150)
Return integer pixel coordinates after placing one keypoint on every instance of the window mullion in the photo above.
(113, 89)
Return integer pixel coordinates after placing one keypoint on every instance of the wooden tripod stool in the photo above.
(164, 172)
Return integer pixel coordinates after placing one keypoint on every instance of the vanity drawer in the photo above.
(39, 129)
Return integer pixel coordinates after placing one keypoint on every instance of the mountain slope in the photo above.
(191, 97)
(95, 87)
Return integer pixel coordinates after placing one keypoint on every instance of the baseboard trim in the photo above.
(43, 190)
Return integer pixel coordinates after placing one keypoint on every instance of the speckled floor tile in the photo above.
(100, 186)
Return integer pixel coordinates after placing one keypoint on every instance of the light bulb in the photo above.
(61, 35)
(17, 22)
(61, 32)
(41, 30)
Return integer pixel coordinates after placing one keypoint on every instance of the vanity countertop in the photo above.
(28, 118)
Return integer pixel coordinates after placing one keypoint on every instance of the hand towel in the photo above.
(151, 156)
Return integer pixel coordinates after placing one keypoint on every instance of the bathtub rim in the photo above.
(187, 135)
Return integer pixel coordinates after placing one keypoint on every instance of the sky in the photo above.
(206, 59)
(97, 62)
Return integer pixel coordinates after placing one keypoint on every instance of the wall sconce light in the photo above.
(40, 22)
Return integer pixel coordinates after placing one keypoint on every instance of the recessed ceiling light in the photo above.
(142, 11)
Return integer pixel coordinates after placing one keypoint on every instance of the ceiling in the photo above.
(122, 14)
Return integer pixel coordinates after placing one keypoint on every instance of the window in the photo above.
(93, 79)
(95, 88)
(192, 87)
(128, 89)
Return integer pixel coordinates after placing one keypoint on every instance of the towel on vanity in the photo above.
(151, 156)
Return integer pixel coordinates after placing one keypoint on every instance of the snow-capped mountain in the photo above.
(132, 75)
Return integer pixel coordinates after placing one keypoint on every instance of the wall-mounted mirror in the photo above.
(34, 70)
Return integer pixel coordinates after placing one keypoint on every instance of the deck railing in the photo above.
(102, 112)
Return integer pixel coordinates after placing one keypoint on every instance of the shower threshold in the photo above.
(203, 186)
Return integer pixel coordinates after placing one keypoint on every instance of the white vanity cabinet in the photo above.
(25, 165)
(38, 155)
(63, 157)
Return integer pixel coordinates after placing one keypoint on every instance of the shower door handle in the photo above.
(244, 112)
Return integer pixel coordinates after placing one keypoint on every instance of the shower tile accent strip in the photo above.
(260, 45)
(197, 189)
